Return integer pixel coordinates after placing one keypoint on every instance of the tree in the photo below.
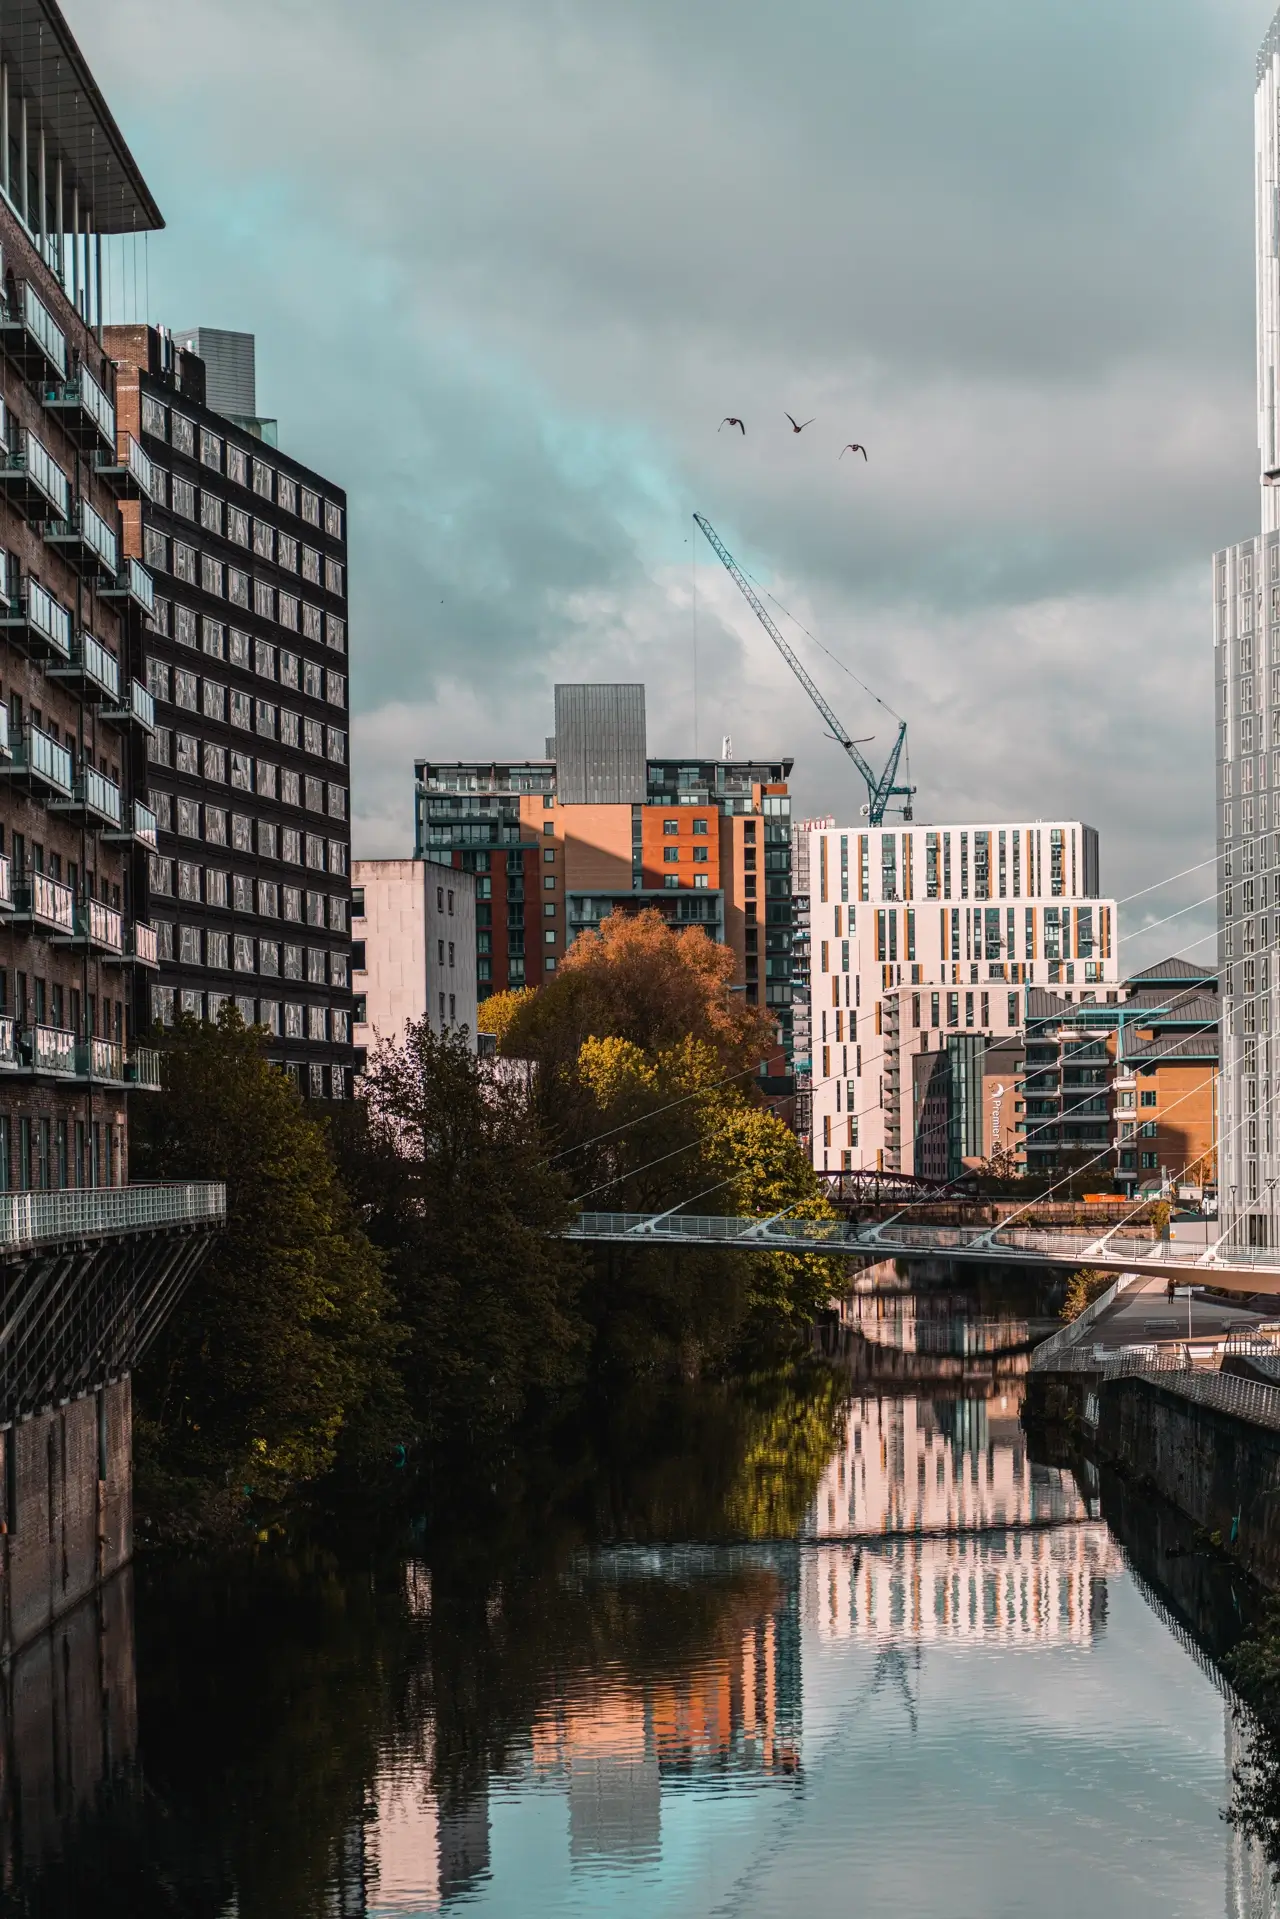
(281, 1350)
(445, 1159)
(497, 1013)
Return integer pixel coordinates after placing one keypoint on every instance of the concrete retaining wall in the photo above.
(66, 1497)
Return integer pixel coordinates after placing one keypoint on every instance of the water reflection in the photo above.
(731, 1651)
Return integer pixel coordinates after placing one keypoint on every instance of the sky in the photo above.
(509, 267)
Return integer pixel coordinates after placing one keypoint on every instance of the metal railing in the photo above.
(51, 1049)
(97, 794)
(95, 532)
(146, 945)
(1047, 1356)
(102, 667)
(144, 1068)
(100, 924)
(96, 404)
(44, 329)
(34, 751)
(8, 1041)
(89, 1212)
(1230, 1393)
(41, 467)
(101, 1059)
(48, 901)
(49, 618)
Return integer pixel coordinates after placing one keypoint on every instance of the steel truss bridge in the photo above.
(1251, 1270)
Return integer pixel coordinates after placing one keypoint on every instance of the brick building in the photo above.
(600, 826)
(245, 656)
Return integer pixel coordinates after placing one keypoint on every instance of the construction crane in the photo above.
(882, 790)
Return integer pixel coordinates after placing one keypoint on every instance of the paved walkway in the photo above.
(1144, 1315)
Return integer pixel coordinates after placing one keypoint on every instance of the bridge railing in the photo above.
(1246, 1399)
(27, 1219)
(1069, 1341)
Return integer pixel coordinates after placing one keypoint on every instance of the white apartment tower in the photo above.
(1246, 645)
(924, 933)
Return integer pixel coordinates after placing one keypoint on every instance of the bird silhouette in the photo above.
(798, 426)
(854, 446)
(729, 420)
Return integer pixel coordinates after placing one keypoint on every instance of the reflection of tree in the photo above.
(1254, 1809)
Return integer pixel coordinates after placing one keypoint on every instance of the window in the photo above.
(185, 626)
(311, 618)
(237, 465)
(670, 854)
(292, 840)
(184, 498)
(290, 785)
(242, 772)
(187, 754)
(334, 576)
(189, 819)
(242, 832)
(215, 887)
(245, 957)
(1150, 1162)
(287, 611)
(315, 851)
(237, 586)
(210, 511)
(286, 493)
(265, 714)
(155, 550)
(241, 648)
(153, 417)
(670, 828)
(310, 507)
(289, 665)
(184, 563)
(289, 729)
(333, 520)
(700, 826)
(317, 1025)
(266, 779)
(314, 790)
(313, 736)
(336, 632)
(238, 525)
(242, 893)
(215, 825)
(262, 480)
(1147, 1130)
(1148, 1096)
(336, 740)
(213, 638)
(337, 802)
(268, 840)
(183, 433)
(701, 854)
(215, 763)
(293, 1022)
(215, 700)
(158, 679)
(312, 680)
(242, 710)
(189, 945)
(188, 880)
(264, 600)
(210, 449)
(269, 899)
(264, 659)
(338, 857)
(264, 539)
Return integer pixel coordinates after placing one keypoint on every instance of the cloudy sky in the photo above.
(508, 267)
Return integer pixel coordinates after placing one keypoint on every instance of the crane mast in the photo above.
(882, 789)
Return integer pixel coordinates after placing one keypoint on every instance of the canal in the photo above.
(825, 1641)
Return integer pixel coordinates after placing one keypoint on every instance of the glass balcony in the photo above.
(93, 797)
(46, 902)
(87, 542)
(33, 482)
(101, 1059)
(84, 409)
(127, 469)
(144, 1069)
(138, 828)
(31, 336)
(5, 749)
(8, 1042)
(6, 884)
(99, 927)
(138, 711)
(38, 622)
(39, 763)
(91, 668)
(49, 1049)
(135, 584)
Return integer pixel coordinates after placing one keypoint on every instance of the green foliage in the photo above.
(1083, 1287)
(280, 1351)
(445, 1161)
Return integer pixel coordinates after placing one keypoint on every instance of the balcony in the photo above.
(84, 411)
(87, 543)
(37, 622)
(8, 1044)
(92, 670)
(139, 828)
(133, 584)
(47, 903)
(33, 482)
(141, 948)
(29, 1218)
(127, 470)
(40, 764)
(49, 1049)
(94, 798)
(101, 1060)
(31, 336)
(144, 1069)
(6, 884)
(98, 928)
(139, 711)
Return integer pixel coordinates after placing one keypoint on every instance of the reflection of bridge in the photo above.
(895, 1239)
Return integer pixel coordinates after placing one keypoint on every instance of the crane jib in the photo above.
(881, 787)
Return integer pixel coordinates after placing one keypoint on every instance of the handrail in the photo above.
(1070, 1334)
(26, 1218)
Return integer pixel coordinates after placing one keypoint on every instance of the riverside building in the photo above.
(922, 934)
(599, 826)
(245, 657)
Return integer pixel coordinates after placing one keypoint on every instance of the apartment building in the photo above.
(74, 831)
(414, 948)
(245, 650)
(1128, 1086)
(922, 932)
(599, 826)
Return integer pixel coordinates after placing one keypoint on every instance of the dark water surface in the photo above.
(823, 1643)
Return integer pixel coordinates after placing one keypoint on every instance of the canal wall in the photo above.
(66, 1507)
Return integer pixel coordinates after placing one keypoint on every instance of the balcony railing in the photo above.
(37, 620)
(138, 828)
(32, 479)
(40, 760)
(32, 335)
(92, 667)
(144, 1069)
(87, 541)
(8, 1042)
(47, 902)
(50, 1049)
(146, 946)
(139, 710)
(93, 797)
(134, 583)
(128, 469)
(88, 1212)
(6, 884)
(86, 412)
(101, 1059)
(100, 926)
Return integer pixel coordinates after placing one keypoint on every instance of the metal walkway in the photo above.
(1256, 1270)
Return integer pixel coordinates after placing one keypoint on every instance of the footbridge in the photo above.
(1208, 1262)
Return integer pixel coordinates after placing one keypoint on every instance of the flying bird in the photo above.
(798, 426)
(854, 446)
(729, 420)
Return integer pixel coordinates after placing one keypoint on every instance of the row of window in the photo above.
(186, 945)
(197, 820)
(290, 788)
(179, 685)
(240, 467)
(189, 628)
(232, 583)
(261, 537)
(186, 754)
(239, 893)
